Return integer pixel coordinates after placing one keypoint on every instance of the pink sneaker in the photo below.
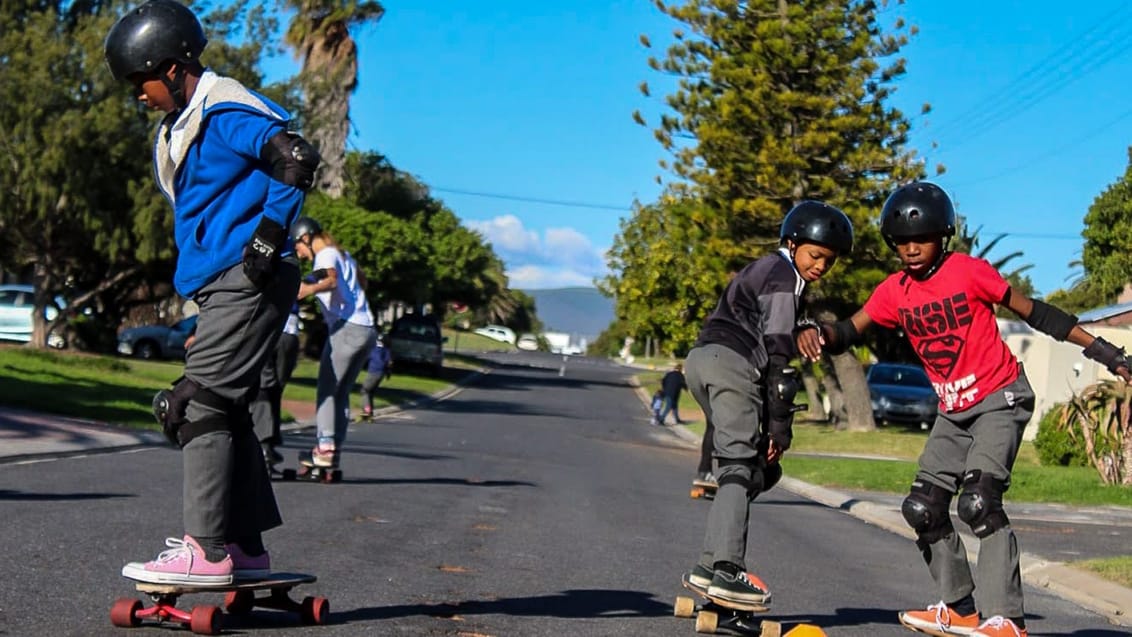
(182, 563)
(324, 455)
(245, 566)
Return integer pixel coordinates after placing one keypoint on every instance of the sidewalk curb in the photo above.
(1080, 587)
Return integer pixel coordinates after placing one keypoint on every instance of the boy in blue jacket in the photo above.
(236, 180)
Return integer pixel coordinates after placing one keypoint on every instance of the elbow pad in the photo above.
(292, 159)
(1050, 320)
(316, 276)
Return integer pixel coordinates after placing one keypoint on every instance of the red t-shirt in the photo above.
(949, 319)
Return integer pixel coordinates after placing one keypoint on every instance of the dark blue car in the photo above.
(902, 393)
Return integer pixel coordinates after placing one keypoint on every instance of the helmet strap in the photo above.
(943, 252)
(176, 86)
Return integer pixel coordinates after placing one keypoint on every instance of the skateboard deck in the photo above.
(716, 616)
(240, 598)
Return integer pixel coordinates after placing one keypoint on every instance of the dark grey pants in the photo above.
(227, 492)
(985, 437)
(726, 386)
(265, 407)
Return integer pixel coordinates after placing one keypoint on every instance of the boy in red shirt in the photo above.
(944, 302)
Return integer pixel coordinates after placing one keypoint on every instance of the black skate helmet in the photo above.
(304, 226)
(152, 34)
(817, 222)
(917, 209)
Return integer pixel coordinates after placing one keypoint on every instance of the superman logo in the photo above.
(941, 353)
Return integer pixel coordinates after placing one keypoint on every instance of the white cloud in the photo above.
(561, 257)
(535, 277)
(506, 233)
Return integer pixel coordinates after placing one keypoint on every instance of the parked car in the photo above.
(157, 341)
(902, 393)
(527, 342)
(416, 340)
(497, 332)
(17, 301)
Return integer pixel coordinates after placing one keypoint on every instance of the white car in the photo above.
(528, 342)
(497, 332)
(16, 303)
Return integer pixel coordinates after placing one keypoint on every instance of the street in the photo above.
(535, 501)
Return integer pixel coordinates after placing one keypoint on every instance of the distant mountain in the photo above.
(582, 312)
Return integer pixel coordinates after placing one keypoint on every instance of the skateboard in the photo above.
(714, 616)
(240, 599)
(308, 471)
(703, 490)
(326, 475)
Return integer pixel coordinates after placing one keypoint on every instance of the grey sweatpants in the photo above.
(227, 493)
(727, 388)
(985, 437)
(342, 359)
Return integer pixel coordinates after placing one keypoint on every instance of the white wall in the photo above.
(1056, 370)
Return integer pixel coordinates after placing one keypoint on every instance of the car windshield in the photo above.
(419, 330)
(907, 376)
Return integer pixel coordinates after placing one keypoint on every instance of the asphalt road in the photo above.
(536, 501)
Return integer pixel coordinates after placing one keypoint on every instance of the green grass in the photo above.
(120, 390)
(461, 341)
(1117, 569)
(101, 388)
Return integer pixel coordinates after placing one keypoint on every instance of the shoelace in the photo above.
(998, 621)
(177, 549)
(942, 615)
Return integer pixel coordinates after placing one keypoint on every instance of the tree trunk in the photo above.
(813, 396)
(858, 406)
(837, 415)
(43, 281)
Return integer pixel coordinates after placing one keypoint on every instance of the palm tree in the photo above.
(320, 35)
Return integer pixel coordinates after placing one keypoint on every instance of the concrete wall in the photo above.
(1056, 370)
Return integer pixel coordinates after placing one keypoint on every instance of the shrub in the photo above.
(1054, 443)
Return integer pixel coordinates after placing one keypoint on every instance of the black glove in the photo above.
(781, 387)
(261, 254)
(1107, 354)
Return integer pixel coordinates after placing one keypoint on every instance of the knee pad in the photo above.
(980, 503)
(170, 406)
(926, 511)
(753, 484)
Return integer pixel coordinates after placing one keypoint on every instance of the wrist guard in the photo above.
(261, 254)
(844, 335)
(781, 387)
(1107, 354)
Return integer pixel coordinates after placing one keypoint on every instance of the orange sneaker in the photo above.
(940, 620)
(999, 626)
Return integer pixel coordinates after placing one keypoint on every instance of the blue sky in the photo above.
(533, 100)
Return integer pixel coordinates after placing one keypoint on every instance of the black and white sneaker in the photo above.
(740, 588)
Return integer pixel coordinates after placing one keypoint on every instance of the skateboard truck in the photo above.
(207, 619)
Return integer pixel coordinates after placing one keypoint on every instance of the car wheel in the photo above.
(146, 350)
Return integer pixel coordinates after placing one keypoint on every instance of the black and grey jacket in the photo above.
(756, 314)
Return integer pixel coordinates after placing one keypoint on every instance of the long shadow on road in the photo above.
(25, 496)
(573, 604)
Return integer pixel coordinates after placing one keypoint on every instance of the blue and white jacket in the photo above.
(207, 162)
